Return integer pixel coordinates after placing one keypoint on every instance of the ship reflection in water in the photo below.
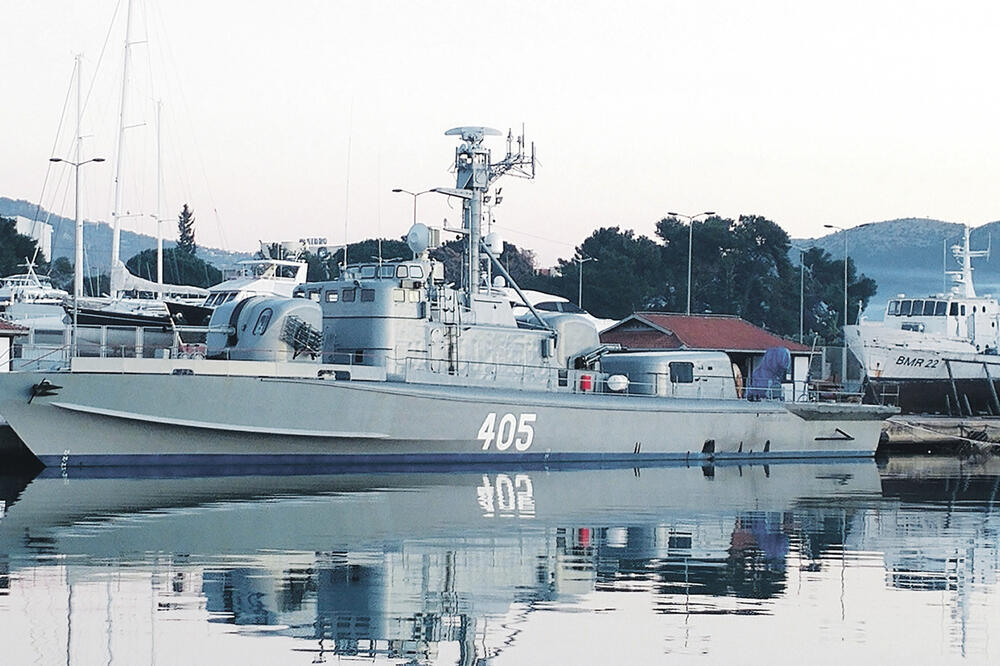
(780, 563)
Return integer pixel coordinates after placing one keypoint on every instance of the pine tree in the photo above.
(185, 228)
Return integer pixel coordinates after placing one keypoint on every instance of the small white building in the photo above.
(41, 232)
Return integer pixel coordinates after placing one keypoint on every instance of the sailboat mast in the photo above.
(159, 184)
(116, 277)
(78, 247)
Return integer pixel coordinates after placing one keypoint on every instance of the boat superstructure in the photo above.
(251, 277)
(937, 353)
(393, 363)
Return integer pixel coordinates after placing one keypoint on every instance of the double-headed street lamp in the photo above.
(399, 190)
(78, 254)
(690, 219)
(580, 261)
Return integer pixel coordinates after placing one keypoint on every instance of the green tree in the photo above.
(179, 267)
(15, 248)
(185, 231)
(738, 267)
(823, 295)
(627, 276)
(61, 273)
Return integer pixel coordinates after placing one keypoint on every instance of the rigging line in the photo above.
(100, 58)
(524, 233)
(170, 60)
(55, 144)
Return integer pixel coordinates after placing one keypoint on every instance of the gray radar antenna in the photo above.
(476, 172)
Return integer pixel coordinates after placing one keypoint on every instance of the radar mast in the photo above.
(475, 172)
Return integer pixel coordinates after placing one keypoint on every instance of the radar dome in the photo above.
(495, 243)
(418, 238)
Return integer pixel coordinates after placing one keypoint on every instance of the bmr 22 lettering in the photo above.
(507, 430)
(918, 362)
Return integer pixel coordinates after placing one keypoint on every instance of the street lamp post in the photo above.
(399, 190)
(843, 364)
(690, 219)
(78, 250)
(802, 292)
(580, 261)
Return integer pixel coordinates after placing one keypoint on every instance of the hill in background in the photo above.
(97, 239)
(902, 256)
(906, 256)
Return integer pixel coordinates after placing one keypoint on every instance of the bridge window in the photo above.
(682, 372)
(940, 308)
(401, 272)
(929, 308)
(416, 272)
(904, 308)
(367, 295)
(385, 272)
(367, 271)
(962, 309)
(893, 308)
(953, 310)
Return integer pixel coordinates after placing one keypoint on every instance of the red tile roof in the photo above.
(8, 329)
(656, 330)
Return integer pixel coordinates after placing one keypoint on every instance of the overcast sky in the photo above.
(283, 120)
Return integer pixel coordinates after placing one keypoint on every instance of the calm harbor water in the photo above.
(848, 562)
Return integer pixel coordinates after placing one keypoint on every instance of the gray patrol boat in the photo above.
(388, 364)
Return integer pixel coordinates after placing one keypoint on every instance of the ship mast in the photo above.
(474, 174)
(964, 254)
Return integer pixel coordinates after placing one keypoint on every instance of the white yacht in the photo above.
(937, 353)
(252, 277)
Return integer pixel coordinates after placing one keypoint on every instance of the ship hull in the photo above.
(924, 374)
(145, 419)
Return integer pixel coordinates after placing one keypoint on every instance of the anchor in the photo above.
(43, 389)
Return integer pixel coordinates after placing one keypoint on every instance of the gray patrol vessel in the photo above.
(389, 364)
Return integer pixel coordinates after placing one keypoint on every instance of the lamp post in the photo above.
(78, 253)
(843, 364)
(399, 190)
(580, 261)
(802, 291)
(690, 219)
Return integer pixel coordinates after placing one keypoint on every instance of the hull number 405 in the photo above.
(506, 430)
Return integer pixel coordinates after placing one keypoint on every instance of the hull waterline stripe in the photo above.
(377, 461)
(208, 425)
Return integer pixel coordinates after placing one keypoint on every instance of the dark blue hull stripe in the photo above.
(471, 460)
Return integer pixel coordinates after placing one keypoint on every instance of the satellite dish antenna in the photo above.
(418, 238)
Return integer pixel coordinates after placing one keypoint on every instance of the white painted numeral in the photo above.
(516, 430)
(525, 433)
(488, 430)
(505, 432)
